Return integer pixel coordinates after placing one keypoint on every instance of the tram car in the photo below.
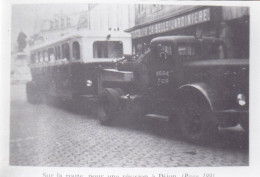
(68, 67)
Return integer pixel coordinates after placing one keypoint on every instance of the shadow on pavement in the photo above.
(71, 106)
(233, 138)
(227, 138)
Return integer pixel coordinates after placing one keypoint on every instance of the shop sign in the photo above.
(194, 18)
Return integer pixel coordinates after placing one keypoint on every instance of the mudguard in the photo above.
(204, 91)
(108, 105)
(113, 95)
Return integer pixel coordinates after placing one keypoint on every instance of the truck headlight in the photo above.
(241, 99)
(89, 83)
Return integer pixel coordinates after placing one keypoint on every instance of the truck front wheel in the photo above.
(196, 121)
(108, 108)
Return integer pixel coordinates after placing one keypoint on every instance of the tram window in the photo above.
(57, 52)
(45, 56)
(66, 51)
(40, 57)
(107, 49)
(76, 50)
(51, 56)
(33, 58)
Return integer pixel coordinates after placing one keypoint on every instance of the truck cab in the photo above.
(184, 80)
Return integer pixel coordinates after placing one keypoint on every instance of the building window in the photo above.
(156, 7)
(56, 23)
(62, 22)
(65, 51)
(107, 49)
(91, 6)
(141, 9)
(68, 22)
(51, 24)
(76, 50)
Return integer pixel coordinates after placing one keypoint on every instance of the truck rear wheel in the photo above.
(109, 107)
(196, 122)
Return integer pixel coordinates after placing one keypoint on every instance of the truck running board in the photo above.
(157, 117)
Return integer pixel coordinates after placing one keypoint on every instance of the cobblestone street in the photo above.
(48, 135)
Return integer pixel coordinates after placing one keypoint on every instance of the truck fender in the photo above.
(202, 91)
(113, 95)
(108, 106)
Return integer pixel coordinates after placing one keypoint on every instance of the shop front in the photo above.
(198, 21)
(235, 31)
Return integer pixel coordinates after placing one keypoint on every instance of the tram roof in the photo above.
(86, 34)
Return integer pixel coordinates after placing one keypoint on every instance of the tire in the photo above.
(196, 122)
(33, 96)
(108, 108)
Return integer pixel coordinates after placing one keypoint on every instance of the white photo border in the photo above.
(254, 145)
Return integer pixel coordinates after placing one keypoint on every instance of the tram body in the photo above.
(69, 67)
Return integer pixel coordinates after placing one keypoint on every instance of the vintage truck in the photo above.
(184, 80)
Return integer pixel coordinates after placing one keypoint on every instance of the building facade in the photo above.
(96, 17)
(59, 25)
(111, 17)
(230, 24)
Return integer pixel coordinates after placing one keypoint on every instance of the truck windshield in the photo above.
(107, 49)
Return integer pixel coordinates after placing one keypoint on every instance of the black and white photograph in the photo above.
(130, 85)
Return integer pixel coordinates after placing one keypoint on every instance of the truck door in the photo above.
(162, 69)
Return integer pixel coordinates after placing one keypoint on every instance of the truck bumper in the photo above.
(232, 117)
